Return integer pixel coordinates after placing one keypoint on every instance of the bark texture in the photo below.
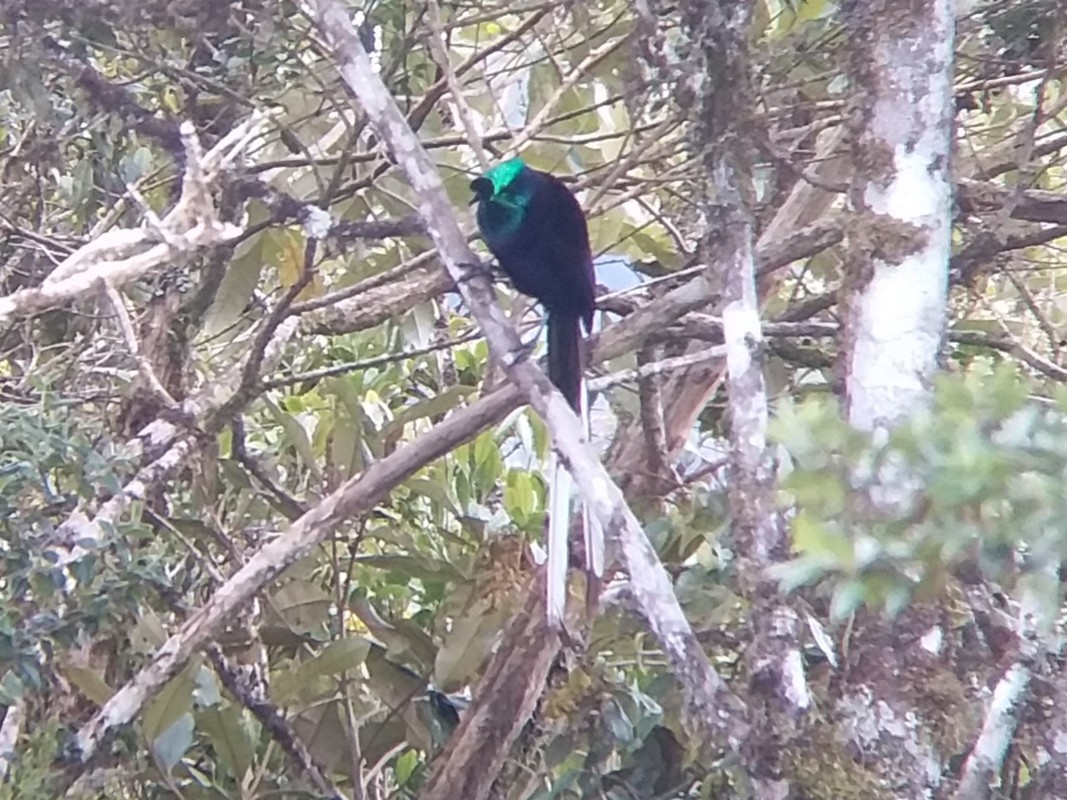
(899, 240)
(778, 694)
(902, 708)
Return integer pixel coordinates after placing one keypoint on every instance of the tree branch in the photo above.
(356, 496)
(122, 255)
(709, 701)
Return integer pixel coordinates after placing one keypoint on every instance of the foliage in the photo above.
(369, 643)
(985, 465)
(54, 599)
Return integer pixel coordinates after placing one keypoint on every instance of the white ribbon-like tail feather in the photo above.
(559, 519)
(594, 533)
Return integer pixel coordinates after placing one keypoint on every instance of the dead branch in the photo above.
(125, 254)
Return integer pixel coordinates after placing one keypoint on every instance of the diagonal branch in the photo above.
(710, 703)
(356, 496)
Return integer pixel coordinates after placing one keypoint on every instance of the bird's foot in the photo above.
(472, 271)
(519, 354)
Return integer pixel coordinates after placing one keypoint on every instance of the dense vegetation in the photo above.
(162, 429)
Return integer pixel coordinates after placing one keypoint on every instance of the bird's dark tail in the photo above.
(565, 368)
(566, 371)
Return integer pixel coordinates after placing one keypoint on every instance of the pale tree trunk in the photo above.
(902, 195)
(778, 695)
(894, 306)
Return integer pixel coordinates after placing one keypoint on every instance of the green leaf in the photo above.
(424, 568)
(437, 405)
(173, 701)
(848, 596)
(89, 682)
(344, 447)
(148, 634)
(811, 10)
(520, 496)
(325, 733)
(231, 733)
(338, 657)
(296, 436)
(169, 747)
(335, 659)
(824, 541)
(394, 684)
(239, 282)
(302, 605)
(404, 767)
(798, 572)
(207, 688)
(404, 640)
(467, 645)
(434, 491)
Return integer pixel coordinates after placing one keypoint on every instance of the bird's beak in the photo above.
(482, 189)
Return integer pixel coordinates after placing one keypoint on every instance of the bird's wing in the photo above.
(569, 230)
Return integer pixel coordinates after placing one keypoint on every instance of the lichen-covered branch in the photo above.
(710, 703)
(899, 241)
(122, 255)
(894, 301)
(718, 37)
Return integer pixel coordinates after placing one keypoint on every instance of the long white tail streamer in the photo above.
(559, 518)
(560, 486)
(594, 533)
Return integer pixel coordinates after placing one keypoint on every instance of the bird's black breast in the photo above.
(547, 254)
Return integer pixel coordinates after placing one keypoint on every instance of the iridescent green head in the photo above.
(504, 195)
(498, 180)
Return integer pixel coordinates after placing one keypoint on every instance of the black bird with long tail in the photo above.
(534, 226)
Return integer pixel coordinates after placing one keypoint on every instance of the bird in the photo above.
(534, 226)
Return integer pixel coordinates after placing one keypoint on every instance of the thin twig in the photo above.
(126, 326)
(654, 368)
(459, 102)
(369, 363)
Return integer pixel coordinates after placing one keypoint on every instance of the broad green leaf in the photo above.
(520, 497)
(344, 447)
(467, 645)
(393, 683)
(89, 682)
(405, 640)
(169, 747)
(302, 605)
(207, 691)
(148, 634)
(232, 735)
(240, 280)
(335, 659)
(437, 405)
(848, 596)
(325, 734)
(296, 436)
(174, 700)
(416, 566)
(823, 541)
(405, 766)
(434, 491)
